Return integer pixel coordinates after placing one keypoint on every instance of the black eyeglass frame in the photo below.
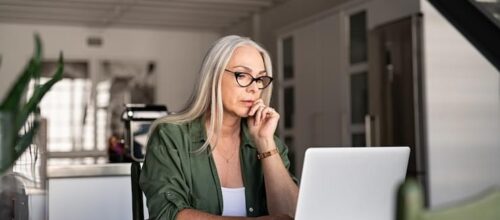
(237, 73)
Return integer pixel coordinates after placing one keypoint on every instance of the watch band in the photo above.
(261, 156)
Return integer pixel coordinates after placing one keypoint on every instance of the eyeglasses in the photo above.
(245, 79)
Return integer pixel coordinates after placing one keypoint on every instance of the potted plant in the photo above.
(19, 120)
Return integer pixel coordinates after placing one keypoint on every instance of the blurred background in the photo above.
(360, 73)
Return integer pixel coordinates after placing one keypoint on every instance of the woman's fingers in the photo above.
(255, 107)
(265, 112)
(260, 112)
(258, 115)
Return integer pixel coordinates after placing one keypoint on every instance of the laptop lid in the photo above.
(351, 183)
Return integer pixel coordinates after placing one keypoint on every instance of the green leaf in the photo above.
(15, 112)
(38, 94)
(38, 55)
(32, 69)
(7, 139)
(23, 142)
(26, 139)
(14, 96)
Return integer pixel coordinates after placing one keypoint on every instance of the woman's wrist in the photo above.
(265, 145)
(265, 154)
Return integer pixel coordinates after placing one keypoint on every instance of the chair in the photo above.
(137, 203)
(410, 206)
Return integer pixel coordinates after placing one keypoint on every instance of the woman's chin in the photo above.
(241, 114)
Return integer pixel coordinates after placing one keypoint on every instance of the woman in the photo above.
(219, 157)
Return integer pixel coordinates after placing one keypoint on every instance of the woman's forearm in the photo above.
(193, 214)
(281, 191)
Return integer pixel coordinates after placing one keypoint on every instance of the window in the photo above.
(289, 107)
(287, 85)
(358, 77)
(359, 97)
(286, 90)
(288, 58)
(76, 124)
(357, 36)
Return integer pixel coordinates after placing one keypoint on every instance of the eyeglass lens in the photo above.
(245, 79)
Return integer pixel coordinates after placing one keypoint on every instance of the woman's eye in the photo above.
(240, 74)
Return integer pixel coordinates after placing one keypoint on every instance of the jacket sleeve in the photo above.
(283, 150)
(162, 178)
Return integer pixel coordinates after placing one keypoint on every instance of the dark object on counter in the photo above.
(137, 119)
(116, 150)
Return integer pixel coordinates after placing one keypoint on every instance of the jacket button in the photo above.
(250, 209)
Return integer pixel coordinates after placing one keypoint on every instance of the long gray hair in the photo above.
(207, 93)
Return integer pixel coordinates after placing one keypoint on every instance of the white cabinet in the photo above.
(90, 192)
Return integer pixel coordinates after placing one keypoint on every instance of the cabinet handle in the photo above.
(369, 129)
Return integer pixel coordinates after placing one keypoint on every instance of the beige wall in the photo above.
(178, 54)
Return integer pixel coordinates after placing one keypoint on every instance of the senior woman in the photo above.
(219, 158)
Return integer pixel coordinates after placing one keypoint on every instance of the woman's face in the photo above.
(237, 100)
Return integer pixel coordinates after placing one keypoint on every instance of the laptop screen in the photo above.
(351, 183)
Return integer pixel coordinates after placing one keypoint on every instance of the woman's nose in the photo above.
(252, 87)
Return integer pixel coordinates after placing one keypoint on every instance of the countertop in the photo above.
(89, 170)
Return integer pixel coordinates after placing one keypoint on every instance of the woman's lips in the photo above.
(247, 103)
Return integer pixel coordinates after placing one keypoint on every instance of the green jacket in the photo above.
(174, 178)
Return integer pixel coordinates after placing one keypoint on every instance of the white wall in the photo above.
(178, 54)
(463, 113)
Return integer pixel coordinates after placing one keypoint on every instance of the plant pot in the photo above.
(13, 198)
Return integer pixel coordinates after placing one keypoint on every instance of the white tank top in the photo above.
(234, 202)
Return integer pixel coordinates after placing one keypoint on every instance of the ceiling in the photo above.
(191, 14)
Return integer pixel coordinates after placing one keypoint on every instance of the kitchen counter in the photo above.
(88, 170)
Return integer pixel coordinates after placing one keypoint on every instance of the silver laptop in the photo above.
(351, 183)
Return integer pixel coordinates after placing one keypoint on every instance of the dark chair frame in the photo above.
(137, 201)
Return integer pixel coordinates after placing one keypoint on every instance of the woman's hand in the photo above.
(262, 122)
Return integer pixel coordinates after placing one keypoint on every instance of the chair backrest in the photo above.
(410, 206)
(137, 203)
